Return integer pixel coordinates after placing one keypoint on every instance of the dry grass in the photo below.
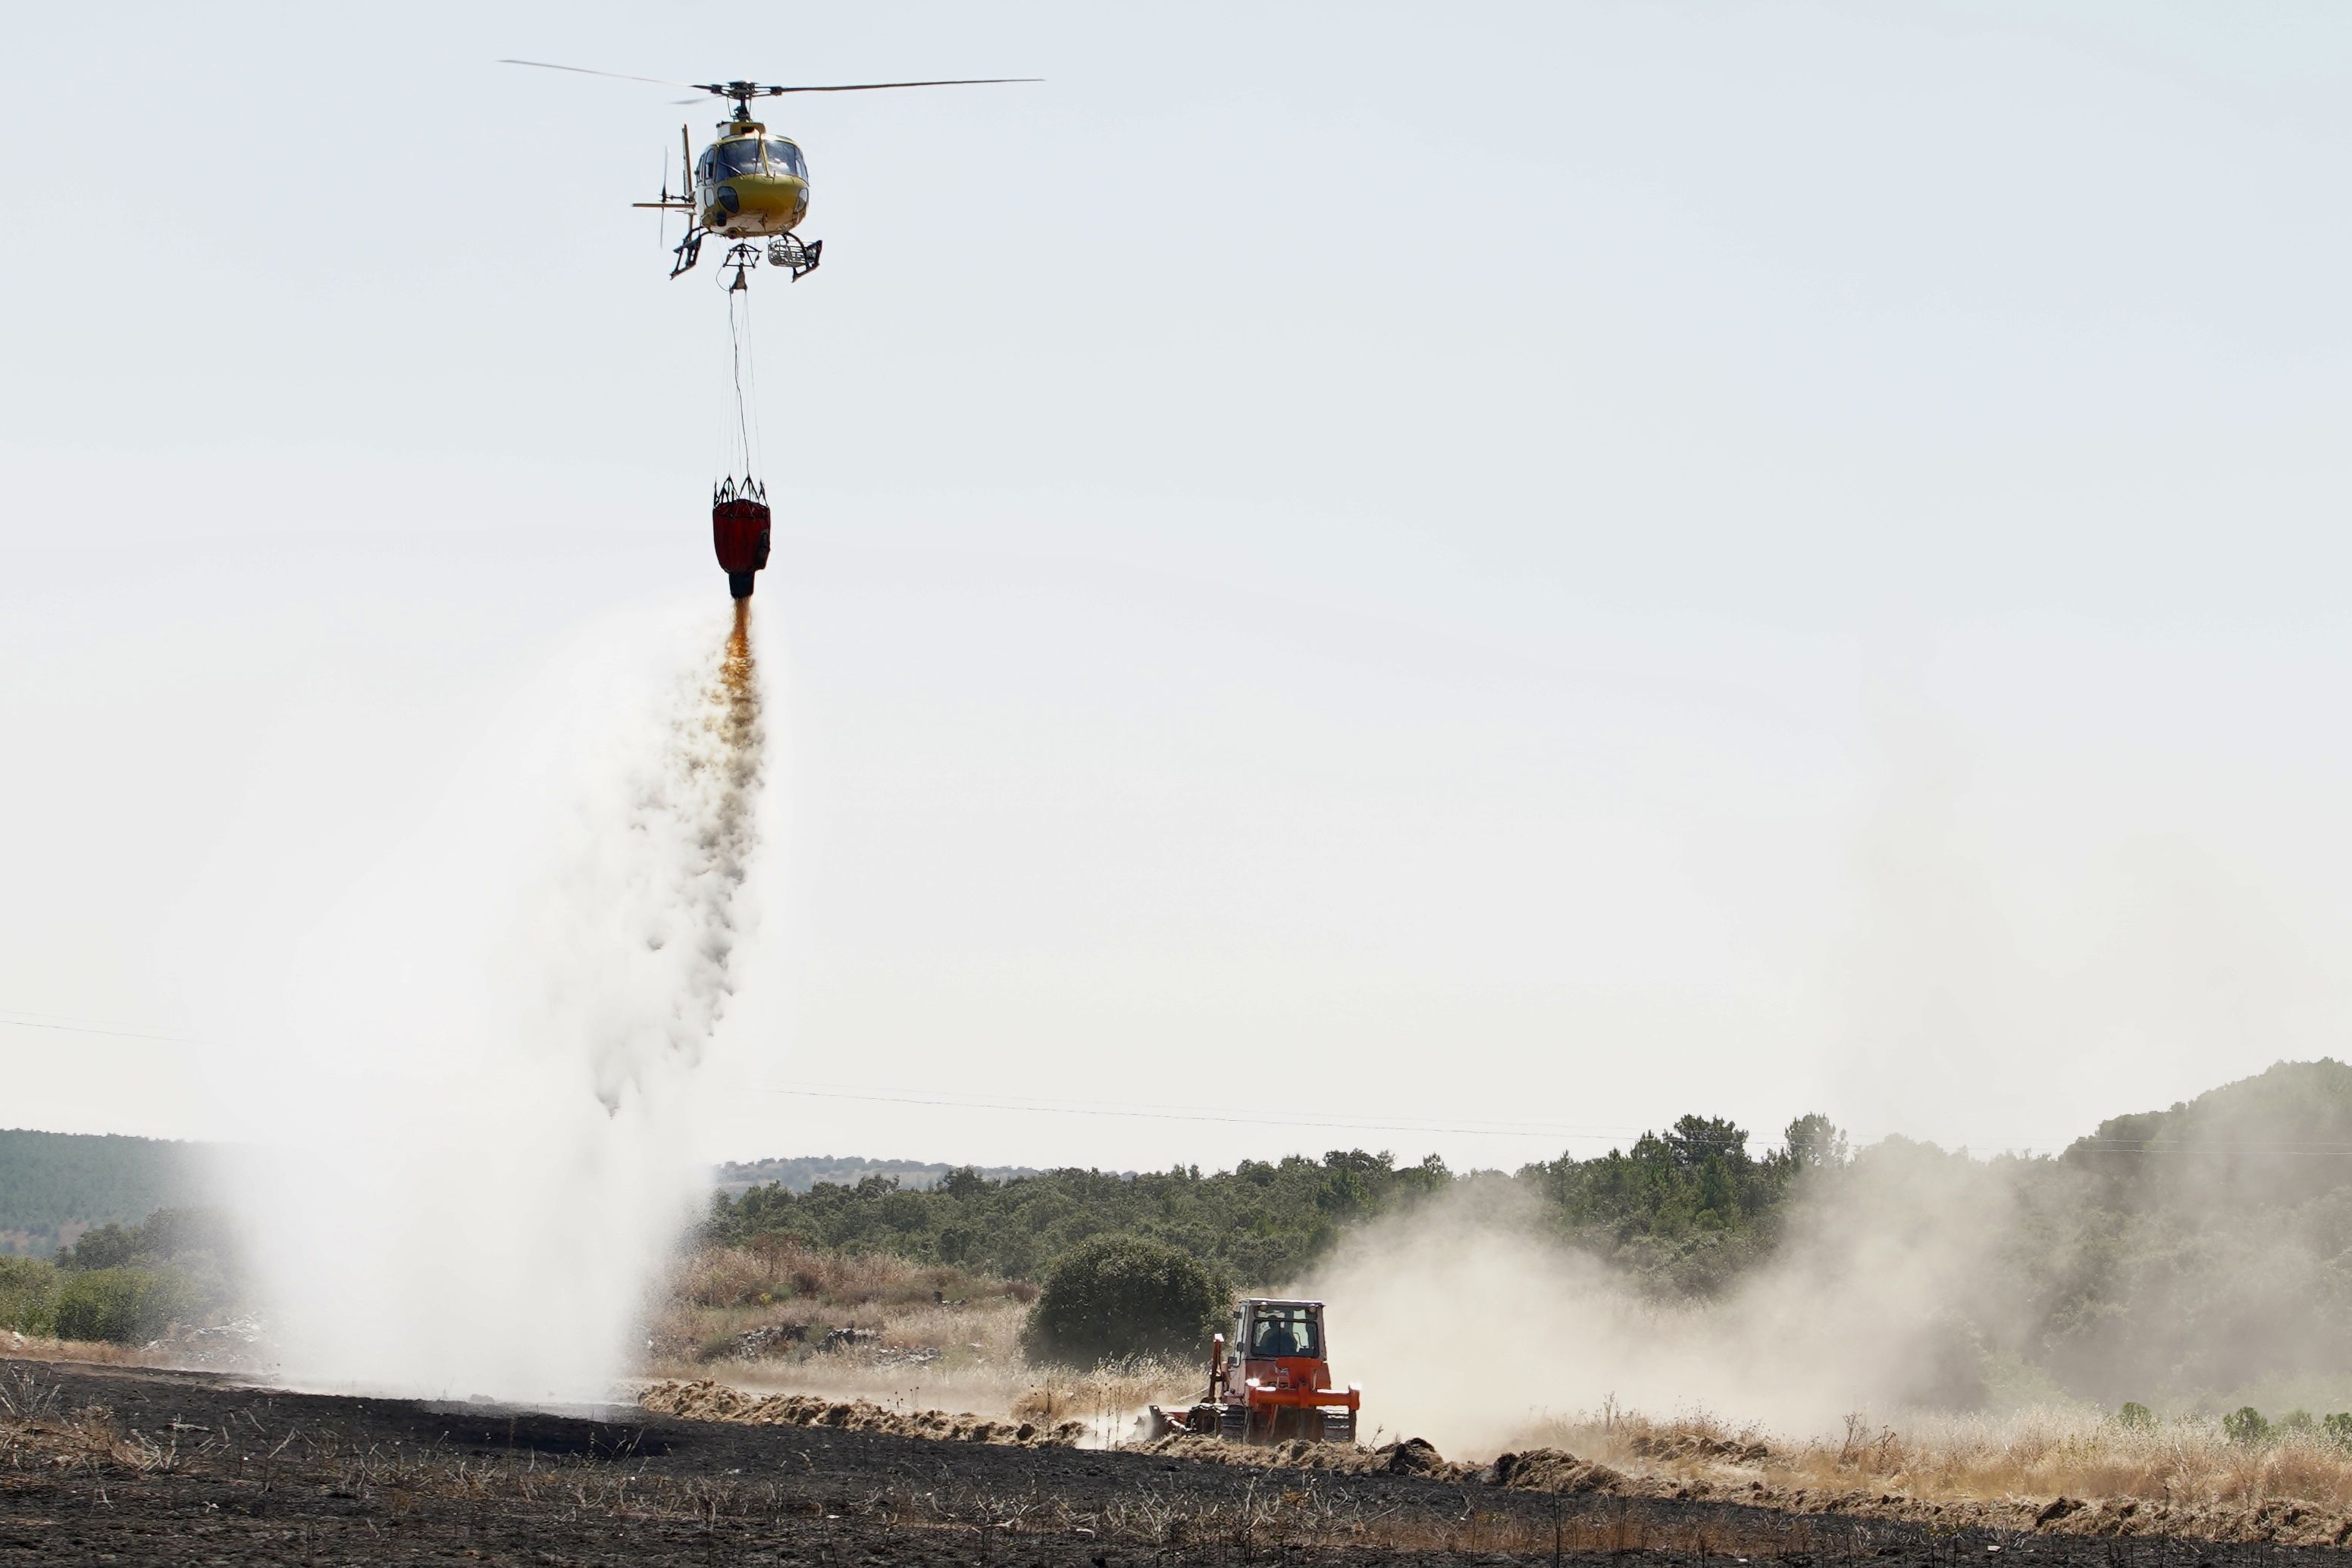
(775, 1269)
(39, 1347)
(34, 1420)
(928, 1338)
(715, 1295)
(1109, 1398)
(2037, 1453)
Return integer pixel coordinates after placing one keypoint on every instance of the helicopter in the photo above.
(749, 186)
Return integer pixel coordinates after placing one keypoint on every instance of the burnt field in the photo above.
(102, 1464)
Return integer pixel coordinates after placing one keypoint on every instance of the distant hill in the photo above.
(802, 1172)
(54, 1186)
(2284, 1136)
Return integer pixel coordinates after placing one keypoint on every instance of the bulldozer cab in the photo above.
(1279, 1330)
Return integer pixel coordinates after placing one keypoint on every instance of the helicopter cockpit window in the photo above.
(739, 157)
(784, 158)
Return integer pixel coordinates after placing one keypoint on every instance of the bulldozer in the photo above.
(1275, 1386)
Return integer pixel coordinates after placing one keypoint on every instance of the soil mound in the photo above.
(1550, 1471)
(1412, 1457)
(2280, 1521)
(703, 1400)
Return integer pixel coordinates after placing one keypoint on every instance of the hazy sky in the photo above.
(1558, 564)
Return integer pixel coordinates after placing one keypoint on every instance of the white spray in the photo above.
(481, 1108)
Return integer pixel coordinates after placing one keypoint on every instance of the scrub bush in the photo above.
(29, 1295)
(1125, 1295)
(124, 1305)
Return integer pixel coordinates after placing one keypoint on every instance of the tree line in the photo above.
(1686, 1207)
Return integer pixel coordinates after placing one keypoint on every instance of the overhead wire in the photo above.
(1145, 1112)
(59, 1022)
(1465, 1127)
(28, 1019)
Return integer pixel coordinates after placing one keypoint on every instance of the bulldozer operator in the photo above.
(1279, 1335)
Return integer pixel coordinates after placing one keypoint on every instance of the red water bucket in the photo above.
(739, 532)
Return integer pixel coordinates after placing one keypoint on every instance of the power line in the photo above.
(1051, 1102)
(1467, 1127)
(52, 1022)
(19, 1018)
(1470, 1127)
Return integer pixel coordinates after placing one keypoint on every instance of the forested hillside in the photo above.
(50, 1181)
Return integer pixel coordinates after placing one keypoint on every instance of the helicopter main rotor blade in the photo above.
(763, 89)
(616, 76)
(872, 86)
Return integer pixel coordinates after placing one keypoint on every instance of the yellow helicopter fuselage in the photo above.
(749, 185)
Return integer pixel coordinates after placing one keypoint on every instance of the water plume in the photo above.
(697, 815)
(482, 1098)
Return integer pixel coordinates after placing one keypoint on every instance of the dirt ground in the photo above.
(134, 1465)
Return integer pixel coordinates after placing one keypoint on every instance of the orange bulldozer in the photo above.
(1277, 1385)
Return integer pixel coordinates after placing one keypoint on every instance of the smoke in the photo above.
(480, 1105)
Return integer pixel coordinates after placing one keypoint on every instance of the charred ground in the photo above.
(134, 1465)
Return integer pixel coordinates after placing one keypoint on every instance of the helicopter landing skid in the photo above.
(689, 251)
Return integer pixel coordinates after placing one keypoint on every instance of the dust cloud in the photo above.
(2194, 1259)
(1467, 1325)
(478, 1103)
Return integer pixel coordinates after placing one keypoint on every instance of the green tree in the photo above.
(108, 1246)
(1815, 1143)
(29, 1295)
(2245, 1425)
(1125, 1295)
(124, 1305)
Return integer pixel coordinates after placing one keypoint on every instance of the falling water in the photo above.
(487, 1092)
